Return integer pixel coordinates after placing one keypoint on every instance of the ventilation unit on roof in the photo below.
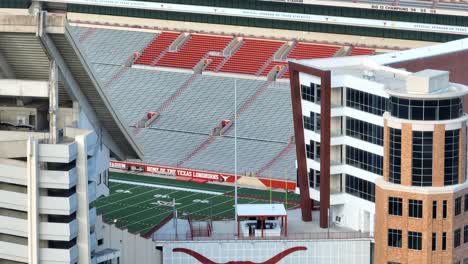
(369, 75)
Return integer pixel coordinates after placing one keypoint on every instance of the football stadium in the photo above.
(219, 131)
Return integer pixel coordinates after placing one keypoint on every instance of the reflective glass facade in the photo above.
(426, 109)
(422, 158)
(395, 156)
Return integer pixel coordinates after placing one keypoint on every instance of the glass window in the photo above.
(360, 188)
(311, 93)
(434, 209)
(314, 178)
(394, 238)
(364, 160)
(456, 238)
(422, 158)
(415, 208)
(466, 202)
(444, 209)
(458, 206)
(434, 241)
(451, 157)
(426, 109)
(313, 150)
(395, 206)
(465, 234)
(395, 156)
(366, 102)
(414, 240)
(364, 131)
(444, 240)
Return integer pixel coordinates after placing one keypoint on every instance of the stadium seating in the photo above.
(251, 56)
(215, 61)
(111, 46)
(205, 103)
(194, 50)
(256, 121)
(312, 51)
(137, 92)
(157, 46)
(251, 156)
(361, 51)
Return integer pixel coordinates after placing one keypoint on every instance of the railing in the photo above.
(291, 236)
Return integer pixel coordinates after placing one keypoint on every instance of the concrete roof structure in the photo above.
(251, 210)
(28, 44)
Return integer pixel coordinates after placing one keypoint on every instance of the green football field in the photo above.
(139, 203)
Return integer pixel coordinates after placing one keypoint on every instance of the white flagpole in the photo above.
(235, 149)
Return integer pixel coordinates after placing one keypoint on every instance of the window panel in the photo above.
(364, 160)
(394, 238)
(360, 188)
(451, 151)
(414, 240)
(364, 131)
(422, 158)
(365, 102)
(395, 156)
(415, 208)
(395, 206)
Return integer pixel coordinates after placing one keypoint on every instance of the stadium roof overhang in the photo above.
(27, 45)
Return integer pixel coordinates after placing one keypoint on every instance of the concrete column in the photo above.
(76, 114)
(33, 200)
(82, 215)
(53, 103)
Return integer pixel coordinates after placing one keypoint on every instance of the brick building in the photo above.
(381, 146)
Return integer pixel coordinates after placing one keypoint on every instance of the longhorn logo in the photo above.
(272, 260)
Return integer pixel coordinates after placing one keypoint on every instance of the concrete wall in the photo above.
(133, 248)
(258, 251)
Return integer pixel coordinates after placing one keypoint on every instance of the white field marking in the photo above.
(120, 186)
(145, 201)
(165, 187)
(153, 207)
(178, 208)
(118, 201)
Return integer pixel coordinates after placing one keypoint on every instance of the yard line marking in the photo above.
(145, 201)
(118, 201)
(165, 187)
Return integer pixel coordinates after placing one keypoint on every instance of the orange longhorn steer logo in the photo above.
(272, 260)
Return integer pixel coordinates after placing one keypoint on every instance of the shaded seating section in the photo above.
(256, 121)
(110, 46)
(252, 155)
(137, 92)
(251, 56)
(263, 127)
(207, 101)
(157, 46)
(194, 50)
(361, 51)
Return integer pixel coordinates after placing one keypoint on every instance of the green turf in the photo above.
(137, 209)
(261, 194)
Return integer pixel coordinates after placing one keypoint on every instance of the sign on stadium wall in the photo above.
(269, 252)
(180, 173)
(238, 12)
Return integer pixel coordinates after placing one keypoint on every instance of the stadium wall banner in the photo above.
(196, 174)
(324, 251)
(359, 22)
